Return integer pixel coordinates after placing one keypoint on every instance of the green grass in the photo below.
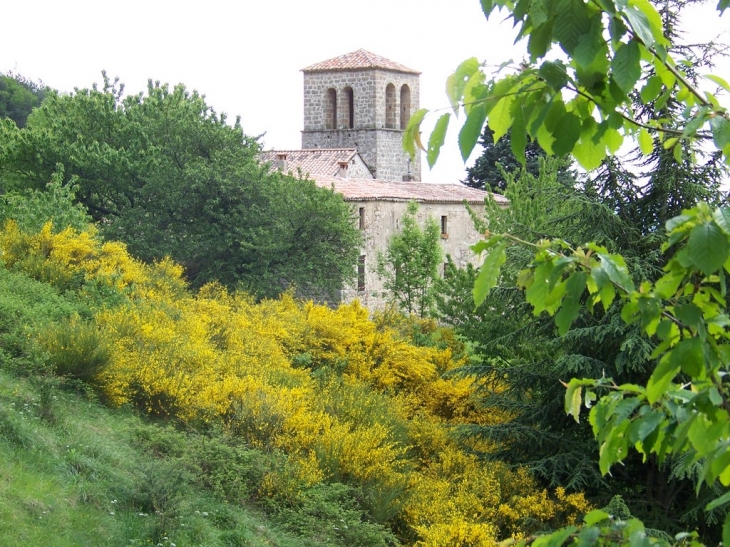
(73, 472)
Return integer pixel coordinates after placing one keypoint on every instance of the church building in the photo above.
(356, 107)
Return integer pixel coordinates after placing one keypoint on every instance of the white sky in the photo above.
(246, 56)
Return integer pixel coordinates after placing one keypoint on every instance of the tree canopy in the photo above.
(492, 168)
(19, 96)
(163, 172)
(409, 266)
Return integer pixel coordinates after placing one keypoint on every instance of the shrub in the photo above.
(76, 349)
(332, 515)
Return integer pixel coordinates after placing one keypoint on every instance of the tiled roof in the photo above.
(359, 59)
(425, 192)
(315, 161)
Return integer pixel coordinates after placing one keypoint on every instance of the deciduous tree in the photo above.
(409, 266)
(163, 172)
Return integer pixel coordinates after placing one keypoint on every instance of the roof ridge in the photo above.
(358, 60)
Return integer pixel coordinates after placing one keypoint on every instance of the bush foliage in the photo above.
(328, 397)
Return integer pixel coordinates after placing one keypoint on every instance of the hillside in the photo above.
(134, 410)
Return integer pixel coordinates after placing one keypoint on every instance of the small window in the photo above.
(361, 224)
(405, 106)
(349, 112)
(361, 273)
(444, 226)
(330, 109)
(390, 116)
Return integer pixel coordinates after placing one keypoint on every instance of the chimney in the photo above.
(343, 169)
(281, 162)
(408, 177)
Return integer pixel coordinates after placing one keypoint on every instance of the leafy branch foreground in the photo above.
(622, 63)
(684, 408)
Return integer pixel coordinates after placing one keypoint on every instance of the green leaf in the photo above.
(518, 136)
(613, 140)
(645, 21)
(645, 425)
(651, 90)
(436, 140)
(573, 399)
(626, 66)
(589, 154)
(455, 82)
(539, 41)
(689, 356)
(661, 378)
(566, 134)
(617, 28)
(500, 118)
(472, 130)
(487, 7)
(590, 45)
(554, 73)
(570, 308)
(615, 268)
(707, 247)
(615, 447)
(719, 81)
(489, 272)
(539, 13)
(412, 132)
(595, 516)
(558, 537)
(726, 524)
(718, 502)
(571, 21)
(720, 131)
(646, 143)
(722, 217)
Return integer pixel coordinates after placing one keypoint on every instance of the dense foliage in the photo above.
(490, 169)
(409, 265)
(524, 358)
(626, 74)
(164, 173)
(337, 398)
(18, 97)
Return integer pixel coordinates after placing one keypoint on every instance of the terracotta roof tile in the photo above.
(315, 161)
(358, 60)
(425, 192)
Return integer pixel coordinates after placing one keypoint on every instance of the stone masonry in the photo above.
(362, 101)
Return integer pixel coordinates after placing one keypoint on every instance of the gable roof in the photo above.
(314, 161)
(358, 60)
(423, 192)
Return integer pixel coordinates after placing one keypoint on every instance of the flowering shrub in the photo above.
(346, 399)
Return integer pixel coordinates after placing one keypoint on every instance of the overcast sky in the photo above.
(246, 56)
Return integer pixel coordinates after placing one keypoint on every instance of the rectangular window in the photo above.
(362, 218)
(361, 273)
(444, 226)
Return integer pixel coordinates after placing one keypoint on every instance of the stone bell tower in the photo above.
(364, 101)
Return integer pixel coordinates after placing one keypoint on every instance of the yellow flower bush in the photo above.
(344, 397)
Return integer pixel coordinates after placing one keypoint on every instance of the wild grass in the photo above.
(95, 476)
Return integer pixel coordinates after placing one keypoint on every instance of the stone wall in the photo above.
(379, 146)
(382, 220)
(380, 149)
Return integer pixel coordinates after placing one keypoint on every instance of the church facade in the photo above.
(356, 107)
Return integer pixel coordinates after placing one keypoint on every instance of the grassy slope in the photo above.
(75, 473)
